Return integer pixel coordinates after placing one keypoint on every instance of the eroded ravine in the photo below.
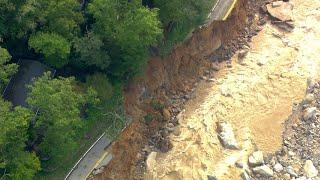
(255, 96)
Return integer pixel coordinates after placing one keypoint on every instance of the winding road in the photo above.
(221, 10)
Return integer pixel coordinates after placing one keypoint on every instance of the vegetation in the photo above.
(6, 70)
(15, 162)
(102, 44)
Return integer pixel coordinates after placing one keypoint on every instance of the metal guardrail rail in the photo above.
(83, 156)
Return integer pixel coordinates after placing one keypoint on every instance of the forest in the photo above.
(97, 47)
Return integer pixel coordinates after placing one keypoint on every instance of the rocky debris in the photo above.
(226, 135)
(299, 157)
(263, 170)
(166, 114)
(309, 169)
(309, 113)
(256, 159)
(278, 167)
(159, 140)
(245, 176)
(309, 98)
(242, 53)
(210, 177)
(97, 171)
(291, 171)
(280, 10)
(239, 164)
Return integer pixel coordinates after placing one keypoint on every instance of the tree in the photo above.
(15, 161)
(54, 47)
(179, 17)
(128, 29)
(15, 19)
(61, 17)
(6, 70)
(92, 51)
(60, 106)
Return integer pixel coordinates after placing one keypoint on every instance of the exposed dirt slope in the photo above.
(255, 97)
(172, 75)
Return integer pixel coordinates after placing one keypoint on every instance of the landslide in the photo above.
(255, 96)
(171, 81)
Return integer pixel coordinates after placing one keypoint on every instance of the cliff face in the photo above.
(169, 75)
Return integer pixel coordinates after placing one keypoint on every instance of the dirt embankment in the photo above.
(168, 80)
(254, 97)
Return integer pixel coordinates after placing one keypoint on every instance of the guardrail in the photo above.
(95, 143)
(83, 156)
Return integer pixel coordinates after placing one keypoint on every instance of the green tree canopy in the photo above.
(179, 17)
(92, 51)
(128, 29)
(15, 162)
(60, 105)
(55, 48)
(6, 70)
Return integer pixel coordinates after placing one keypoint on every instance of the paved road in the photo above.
(16, 91)
(221, 10)
(91, 160)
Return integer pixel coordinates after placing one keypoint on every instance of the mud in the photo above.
(255, 96)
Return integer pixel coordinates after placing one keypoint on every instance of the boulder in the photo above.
(245, 176)
(226, 136)
(309, 98)
(291, 171)
(278, 167)
(263, 170)
(309, 113)
(309, 170)
(256, 159)
(210, 177)
(281, 11)
(166, 114)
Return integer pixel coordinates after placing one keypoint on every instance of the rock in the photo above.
(287, 176)
(245, 176)
(301, 178)
(263, 170)
(309, 113)
(261, 62)
(277, 3)
(242, 53)
(282, 11)
(239, 164)
(227, 136)
(166, 114)
(210, 177)
(291, 153)
(97, 171)
(176, 131)
(291, 171)
(309, 169)
(151, 160)
(204, 78)
(256, 159)
(278, 167)
(211, 80)
(215, 67)
(309, 98)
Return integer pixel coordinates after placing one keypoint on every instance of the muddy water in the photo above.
(255, 96)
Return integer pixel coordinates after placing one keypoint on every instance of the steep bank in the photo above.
(255, 97)
(168, 79)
